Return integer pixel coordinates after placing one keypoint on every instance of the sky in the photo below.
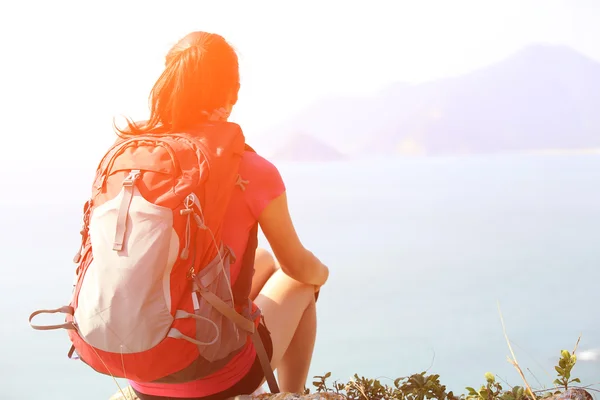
(69, 67)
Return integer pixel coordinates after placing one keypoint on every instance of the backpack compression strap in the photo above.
(263, 357)
(246, 325)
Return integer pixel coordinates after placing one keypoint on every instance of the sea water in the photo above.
(421, 252)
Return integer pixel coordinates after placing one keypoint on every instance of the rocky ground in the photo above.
(128, 394)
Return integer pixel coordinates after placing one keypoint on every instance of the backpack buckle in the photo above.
(133, 176)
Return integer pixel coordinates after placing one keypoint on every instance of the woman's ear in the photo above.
(220, 114)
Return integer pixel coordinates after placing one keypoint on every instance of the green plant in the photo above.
(415, 387)
(566, 362)
(320, 384)
(517, 393)
(492, 390)
(366, 389)
(423, 386)
(489, 391)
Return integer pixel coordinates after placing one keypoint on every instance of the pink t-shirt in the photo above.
(262, 183)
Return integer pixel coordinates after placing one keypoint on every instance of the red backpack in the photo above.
(153, 301)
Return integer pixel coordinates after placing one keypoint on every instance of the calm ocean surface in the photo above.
(420, 251)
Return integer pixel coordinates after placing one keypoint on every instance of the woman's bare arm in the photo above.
(295, 260)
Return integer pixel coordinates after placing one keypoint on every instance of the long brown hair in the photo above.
(201, 75)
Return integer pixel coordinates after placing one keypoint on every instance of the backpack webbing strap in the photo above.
(63, 310)
(227, 311)
(263, 357)
(246, 325)
(128, 184)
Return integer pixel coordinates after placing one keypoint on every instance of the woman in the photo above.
(201, 79)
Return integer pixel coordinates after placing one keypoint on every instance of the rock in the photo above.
(572, 394)
(292, 396)
(129, 394)
(126, 394)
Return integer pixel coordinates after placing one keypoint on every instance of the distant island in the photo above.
(302, 147)
(543, 99)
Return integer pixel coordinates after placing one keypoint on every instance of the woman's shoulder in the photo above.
(261, 181)
(254, 164)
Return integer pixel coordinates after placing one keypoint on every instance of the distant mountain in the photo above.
(302, 147)
(541, 98)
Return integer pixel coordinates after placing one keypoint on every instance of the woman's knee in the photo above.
(263, 259)
(281, 285)
(264, 267)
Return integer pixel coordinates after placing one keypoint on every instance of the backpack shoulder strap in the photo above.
(243, 284)
(241, 291)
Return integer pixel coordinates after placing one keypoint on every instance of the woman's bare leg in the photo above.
(265, 266)
(289, 310)
(295, 363)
